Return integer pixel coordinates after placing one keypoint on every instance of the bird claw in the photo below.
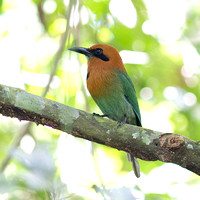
(122, 122)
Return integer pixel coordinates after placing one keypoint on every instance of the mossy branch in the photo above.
(144, 143)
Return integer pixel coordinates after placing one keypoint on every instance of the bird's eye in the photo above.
(98, 51)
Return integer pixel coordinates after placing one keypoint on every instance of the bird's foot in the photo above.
(98, 115)
(122, 122)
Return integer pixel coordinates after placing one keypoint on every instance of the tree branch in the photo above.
(144, 143)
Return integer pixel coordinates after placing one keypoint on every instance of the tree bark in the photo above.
(144, 143)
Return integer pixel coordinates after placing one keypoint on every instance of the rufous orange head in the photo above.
(101, 56)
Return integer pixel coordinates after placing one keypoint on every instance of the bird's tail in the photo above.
(135, 164)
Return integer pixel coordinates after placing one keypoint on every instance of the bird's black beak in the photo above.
(82, 50)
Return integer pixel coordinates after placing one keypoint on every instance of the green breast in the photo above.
(115, 102)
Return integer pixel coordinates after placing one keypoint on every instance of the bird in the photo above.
(112, 88)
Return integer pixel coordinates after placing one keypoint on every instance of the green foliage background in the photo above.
(167, 84)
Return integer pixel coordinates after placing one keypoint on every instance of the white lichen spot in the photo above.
(143, 132)
(135, 135)
(145, 136)
(189, 146)
(108, 131)
(146, 139)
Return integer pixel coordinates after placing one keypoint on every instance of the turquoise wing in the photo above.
(130, 94)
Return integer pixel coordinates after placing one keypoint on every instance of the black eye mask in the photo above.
(99, 54)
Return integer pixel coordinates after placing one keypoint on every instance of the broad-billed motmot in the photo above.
(111, 87)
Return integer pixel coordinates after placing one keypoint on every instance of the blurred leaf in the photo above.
(158, 197)
(147, 166)
(1, 3)
(40, 162)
